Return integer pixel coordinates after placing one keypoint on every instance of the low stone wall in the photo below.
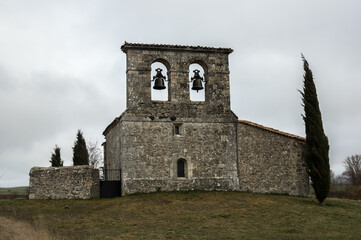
(75, 182)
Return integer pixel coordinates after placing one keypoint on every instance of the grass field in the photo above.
(15, 190)
(14, 193)
(191, 215)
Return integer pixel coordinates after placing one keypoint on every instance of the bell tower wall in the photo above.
(177, 59)
(178, 144)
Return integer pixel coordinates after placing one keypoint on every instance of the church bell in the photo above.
(159, 80)
(197, 81)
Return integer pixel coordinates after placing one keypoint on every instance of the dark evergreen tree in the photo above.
(55, 158)
(80, 152)
(317, 146)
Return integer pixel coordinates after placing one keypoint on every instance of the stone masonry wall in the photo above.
(270, 162)
(75, 182)
(112, 147)
(150, 151)
(214, 63)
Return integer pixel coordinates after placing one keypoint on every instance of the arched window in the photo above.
(196, 94)
(159, 94)
(181, 168)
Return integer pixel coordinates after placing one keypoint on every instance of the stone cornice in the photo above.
(166, 47)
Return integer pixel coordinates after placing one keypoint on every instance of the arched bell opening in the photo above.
(197, 82)
(159, 81)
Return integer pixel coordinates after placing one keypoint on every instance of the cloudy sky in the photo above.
(61, 68)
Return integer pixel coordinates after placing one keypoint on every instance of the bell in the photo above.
(197, 81)
(197, 85)
(159, 80)
(159, 84)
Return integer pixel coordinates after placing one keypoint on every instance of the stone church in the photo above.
(180, 144)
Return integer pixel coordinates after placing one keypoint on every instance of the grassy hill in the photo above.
(192, 215)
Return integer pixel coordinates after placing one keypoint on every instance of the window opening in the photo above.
(177, 129)
(197, 82)
(181, 168)
(159, 78)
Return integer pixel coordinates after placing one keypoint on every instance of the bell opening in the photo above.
(159, 83)
(196, 83)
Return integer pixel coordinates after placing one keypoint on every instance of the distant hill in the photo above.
(14, 192)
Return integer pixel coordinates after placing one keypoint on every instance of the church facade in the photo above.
(179, 144)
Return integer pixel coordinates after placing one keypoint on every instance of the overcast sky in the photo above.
(61, 68)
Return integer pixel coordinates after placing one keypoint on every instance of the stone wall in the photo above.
(271, 161)
(150, 151)
(177, 60)
(112, 147)
(75, 182)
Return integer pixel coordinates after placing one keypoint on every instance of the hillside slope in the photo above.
(192, 215)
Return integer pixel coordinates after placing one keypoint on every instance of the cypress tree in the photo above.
(80, 152)
(55, 158)
(317, 146)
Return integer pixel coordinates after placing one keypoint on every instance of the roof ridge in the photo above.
(271, 129)
(174, 46)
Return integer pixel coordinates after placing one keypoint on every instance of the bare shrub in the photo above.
(353, 169)
(95, 154)
(356, 193)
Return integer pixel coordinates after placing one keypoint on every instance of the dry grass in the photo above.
(16, 230)
(192, 215)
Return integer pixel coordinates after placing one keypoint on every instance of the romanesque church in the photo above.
(178, 143)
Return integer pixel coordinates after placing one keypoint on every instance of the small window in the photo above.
(181, 168)
(178, 129)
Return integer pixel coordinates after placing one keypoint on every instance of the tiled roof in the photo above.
(127, 45)
(271, 130)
